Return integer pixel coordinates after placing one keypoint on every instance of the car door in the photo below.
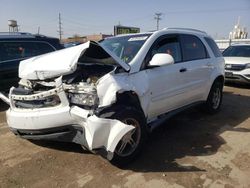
(165, 87)
(196, 69)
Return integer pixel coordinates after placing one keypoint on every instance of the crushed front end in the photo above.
(57, 98)
(54, 110)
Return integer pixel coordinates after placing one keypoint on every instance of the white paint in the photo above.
(52, 64)
(161, 59)
(59, 63)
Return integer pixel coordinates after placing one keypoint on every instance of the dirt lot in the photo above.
(192, 150)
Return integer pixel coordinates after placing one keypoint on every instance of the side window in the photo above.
(10, 50)
(213, 47)
(20, 50)
(44, 48)
(192, 48)
(169, 45)
(35, 48)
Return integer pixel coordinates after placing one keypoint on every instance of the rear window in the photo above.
(21, 50)
(213, 46)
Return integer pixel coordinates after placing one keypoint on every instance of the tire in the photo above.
(131, 143)
(214, 99)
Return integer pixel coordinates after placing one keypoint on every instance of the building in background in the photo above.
(119, 29)
(238, 32)
(237, 35)
(83, 39)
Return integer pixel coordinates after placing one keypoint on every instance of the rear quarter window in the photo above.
(213, 46)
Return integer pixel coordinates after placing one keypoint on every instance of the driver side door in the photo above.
(166, 92)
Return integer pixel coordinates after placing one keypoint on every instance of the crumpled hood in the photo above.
(237, 60)
(58, 63)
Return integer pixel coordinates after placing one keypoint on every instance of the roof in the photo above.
(10, 35)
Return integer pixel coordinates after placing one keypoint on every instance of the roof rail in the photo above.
(16, 35)
(186, 29)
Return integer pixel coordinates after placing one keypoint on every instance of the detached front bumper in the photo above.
(65, 123)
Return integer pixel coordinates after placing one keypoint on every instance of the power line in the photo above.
(60, 32)
(157, 18)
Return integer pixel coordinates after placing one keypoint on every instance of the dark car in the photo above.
(15, 47)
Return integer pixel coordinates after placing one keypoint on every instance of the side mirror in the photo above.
(161, 59)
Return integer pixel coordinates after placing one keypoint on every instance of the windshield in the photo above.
(237, 51)
(125, 47)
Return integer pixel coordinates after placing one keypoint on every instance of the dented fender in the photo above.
(111, 84)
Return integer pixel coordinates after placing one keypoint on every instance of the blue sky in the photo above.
(216, 17)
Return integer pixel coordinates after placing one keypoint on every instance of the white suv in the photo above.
(107, 96)
(237, 63)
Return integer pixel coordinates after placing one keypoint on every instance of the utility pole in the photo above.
(60, 32)
(157, 18)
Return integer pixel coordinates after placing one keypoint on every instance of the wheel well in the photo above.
(219, 79)
(129, 98)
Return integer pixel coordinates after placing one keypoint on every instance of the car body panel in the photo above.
(237, 60)
(58, 63)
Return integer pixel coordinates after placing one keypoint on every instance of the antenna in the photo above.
(157, 18)
(60, 32)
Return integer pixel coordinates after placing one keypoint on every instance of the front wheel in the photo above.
(214, 99)
(131, 143)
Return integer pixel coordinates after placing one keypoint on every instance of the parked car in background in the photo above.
(71, 44)
(15, 47)
(107, 96)
(237, 63)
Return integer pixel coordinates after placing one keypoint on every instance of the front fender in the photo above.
(111, 84)
(105, 132)
(100, 132)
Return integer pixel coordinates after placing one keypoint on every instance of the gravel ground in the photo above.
(192, 149)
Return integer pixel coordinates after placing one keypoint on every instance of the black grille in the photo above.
(235, 67)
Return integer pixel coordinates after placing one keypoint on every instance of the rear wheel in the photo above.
(131, 143)
(214, 99)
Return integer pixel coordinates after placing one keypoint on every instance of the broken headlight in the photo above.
(83, 99)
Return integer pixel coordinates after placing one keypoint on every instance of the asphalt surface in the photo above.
(192, 149)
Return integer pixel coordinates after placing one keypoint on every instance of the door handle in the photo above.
(183, 70)
(210, 65)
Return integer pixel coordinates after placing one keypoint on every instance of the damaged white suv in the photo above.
(107, 96)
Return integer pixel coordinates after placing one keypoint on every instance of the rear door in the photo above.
(196, 68)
